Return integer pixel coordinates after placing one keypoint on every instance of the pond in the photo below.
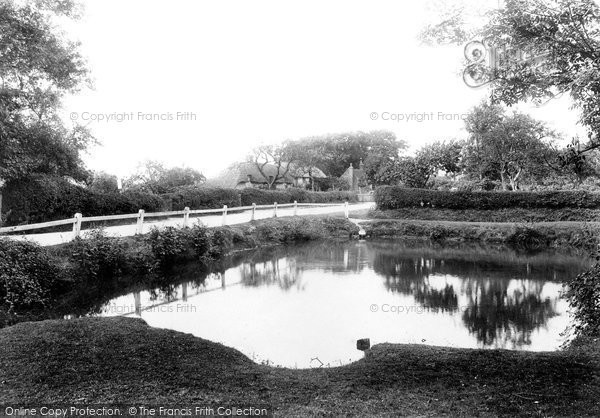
(306, 305)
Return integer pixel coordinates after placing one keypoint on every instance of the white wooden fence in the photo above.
(78, 219)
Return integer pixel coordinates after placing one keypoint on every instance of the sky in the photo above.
(200, 83)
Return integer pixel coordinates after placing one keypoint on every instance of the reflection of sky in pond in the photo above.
(294, 304)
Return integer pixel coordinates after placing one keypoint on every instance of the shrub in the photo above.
(583, 294)
(96, 258)
(169, 245)
(392, 197)
(200, 240)
(27, 275)
(203, 198)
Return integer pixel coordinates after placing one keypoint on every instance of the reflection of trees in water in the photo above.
(502, 316)
(280, 271)
(496, 313)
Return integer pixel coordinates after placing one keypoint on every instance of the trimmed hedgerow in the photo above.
(203, 198)
(43, 198)
(392, 197)
(267, 197)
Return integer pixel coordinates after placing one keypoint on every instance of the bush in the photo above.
(169, 245)
(200, 240)
(27, 275)
(96, 258)
(203, 198)
(392, 197)
(584, 297)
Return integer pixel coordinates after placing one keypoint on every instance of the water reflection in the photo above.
(289, 305)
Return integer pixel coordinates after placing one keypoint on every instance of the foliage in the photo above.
(103, 182)
(169, 245)
(43, 198)
(505, 147)
(442, 155)
(268, 197)
(583, 294)
(333, 153)
(38, 66)
(96, 258)
(412, 172)
(27, 275)
(203, 197)
(154, 177)
(390, 197)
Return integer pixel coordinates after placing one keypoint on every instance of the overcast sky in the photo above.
(246, 72)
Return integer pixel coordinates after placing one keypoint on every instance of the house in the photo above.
(302, 176)
(355, 177)
(246, 174)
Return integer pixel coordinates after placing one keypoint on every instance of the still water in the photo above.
(305, 306)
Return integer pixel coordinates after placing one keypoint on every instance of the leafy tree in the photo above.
(104, 183)
(411, 172)
(511, 146)
(154, 177)
(546, 48)
(333, 153)
(38, 66)
(308, 155)
(441, 155)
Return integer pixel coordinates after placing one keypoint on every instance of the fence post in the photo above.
(186, 217)
(346, 214)
(140, 222)
(295, 207)
(224, 215)
(77, 225)
(253, 211)
(275, 210)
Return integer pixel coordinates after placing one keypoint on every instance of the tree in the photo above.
(38, 66)
(511, 146)
(104, 183)
(411, 172)
(543, 49)
(280, 157)
(442, 155)
(333, 153)
(154, 177)
(308, 156)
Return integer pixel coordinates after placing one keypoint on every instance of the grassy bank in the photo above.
(578, 235)
(497, 215)
(122, 360)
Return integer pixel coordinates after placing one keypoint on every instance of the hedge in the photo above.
(267, 197)
(41, 199)
(393, 197)
(203, 198)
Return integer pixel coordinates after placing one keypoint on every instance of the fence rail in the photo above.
(77, 220)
